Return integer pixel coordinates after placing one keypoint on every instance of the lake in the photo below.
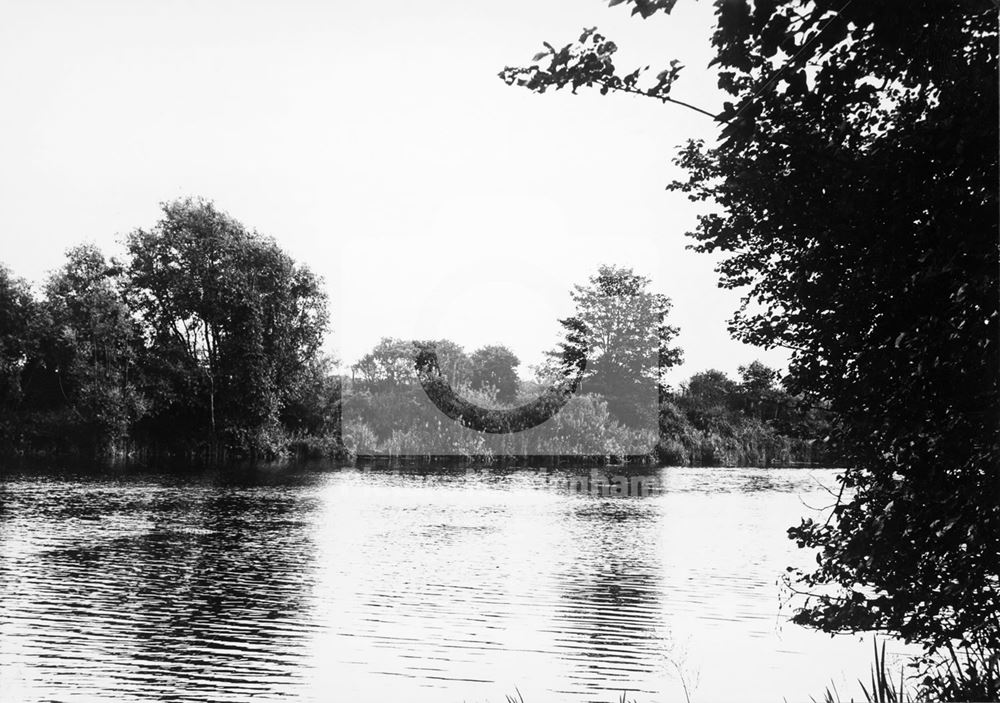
(324, 583)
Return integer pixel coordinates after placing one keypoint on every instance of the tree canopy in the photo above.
(620, 326)
(229, 312)
(207, 335)
(495, 367)
(91, 345)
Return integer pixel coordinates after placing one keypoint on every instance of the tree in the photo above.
(710, 389)
(620, 326)
(495, 366)
(757, 378)
(390, 364)
(234, 320)
(90, 346)
(313, 407)
(708, 399)
(455, 364)
(854, 192)
(759, 391)
(18, 344)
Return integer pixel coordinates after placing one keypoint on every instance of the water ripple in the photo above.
(419, 586)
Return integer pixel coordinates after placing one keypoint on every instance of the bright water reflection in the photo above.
(451, 585)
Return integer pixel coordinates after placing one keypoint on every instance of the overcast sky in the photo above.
(375, 142)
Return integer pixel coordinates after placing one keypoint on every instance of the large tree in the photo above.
(853, 196)
(621, 328)
(235, 322)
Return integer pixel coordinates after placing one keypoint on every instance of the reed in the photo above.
(882, 687)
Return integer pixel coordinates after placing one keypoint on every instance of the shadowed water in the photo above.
(347, 584)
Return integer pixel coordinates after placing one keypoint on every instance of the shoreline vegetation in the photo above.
(205, 344)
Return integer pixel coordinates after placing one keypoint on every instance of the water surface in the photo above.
(329, 584)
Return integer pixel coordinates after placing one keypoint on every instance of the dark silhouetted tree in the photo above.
(853, 193)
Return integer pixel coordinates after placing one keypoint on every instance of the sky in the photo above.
(376, 143)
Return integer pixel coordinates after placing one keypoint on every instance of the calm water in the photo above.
(345, 584)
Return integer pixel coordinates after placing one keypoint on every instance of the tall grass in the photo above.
(970, 675)
(881, 687)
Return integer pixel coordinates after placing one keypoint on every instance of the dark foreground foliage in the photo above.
(853, 190)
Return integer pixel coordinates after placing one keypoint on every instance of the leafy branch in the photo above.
(589, 62)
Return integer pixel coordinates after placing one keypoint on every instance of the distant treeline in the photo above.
(709, 420)
(205, 342)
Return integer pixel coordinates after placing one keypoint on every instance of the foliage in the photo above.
(359, 438)
(233, 319)
(708, 398)
(619, 326)
(620, 331)
(314, 402)
(714, 420)
(853, 193)
(389, 365)
(589, 62)
(90, 348)
(969, 673)
(18, 315)
(114, 357)
(206, 336)
(759, 391)
(882, 686)
(398, 420)
(495, 366)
